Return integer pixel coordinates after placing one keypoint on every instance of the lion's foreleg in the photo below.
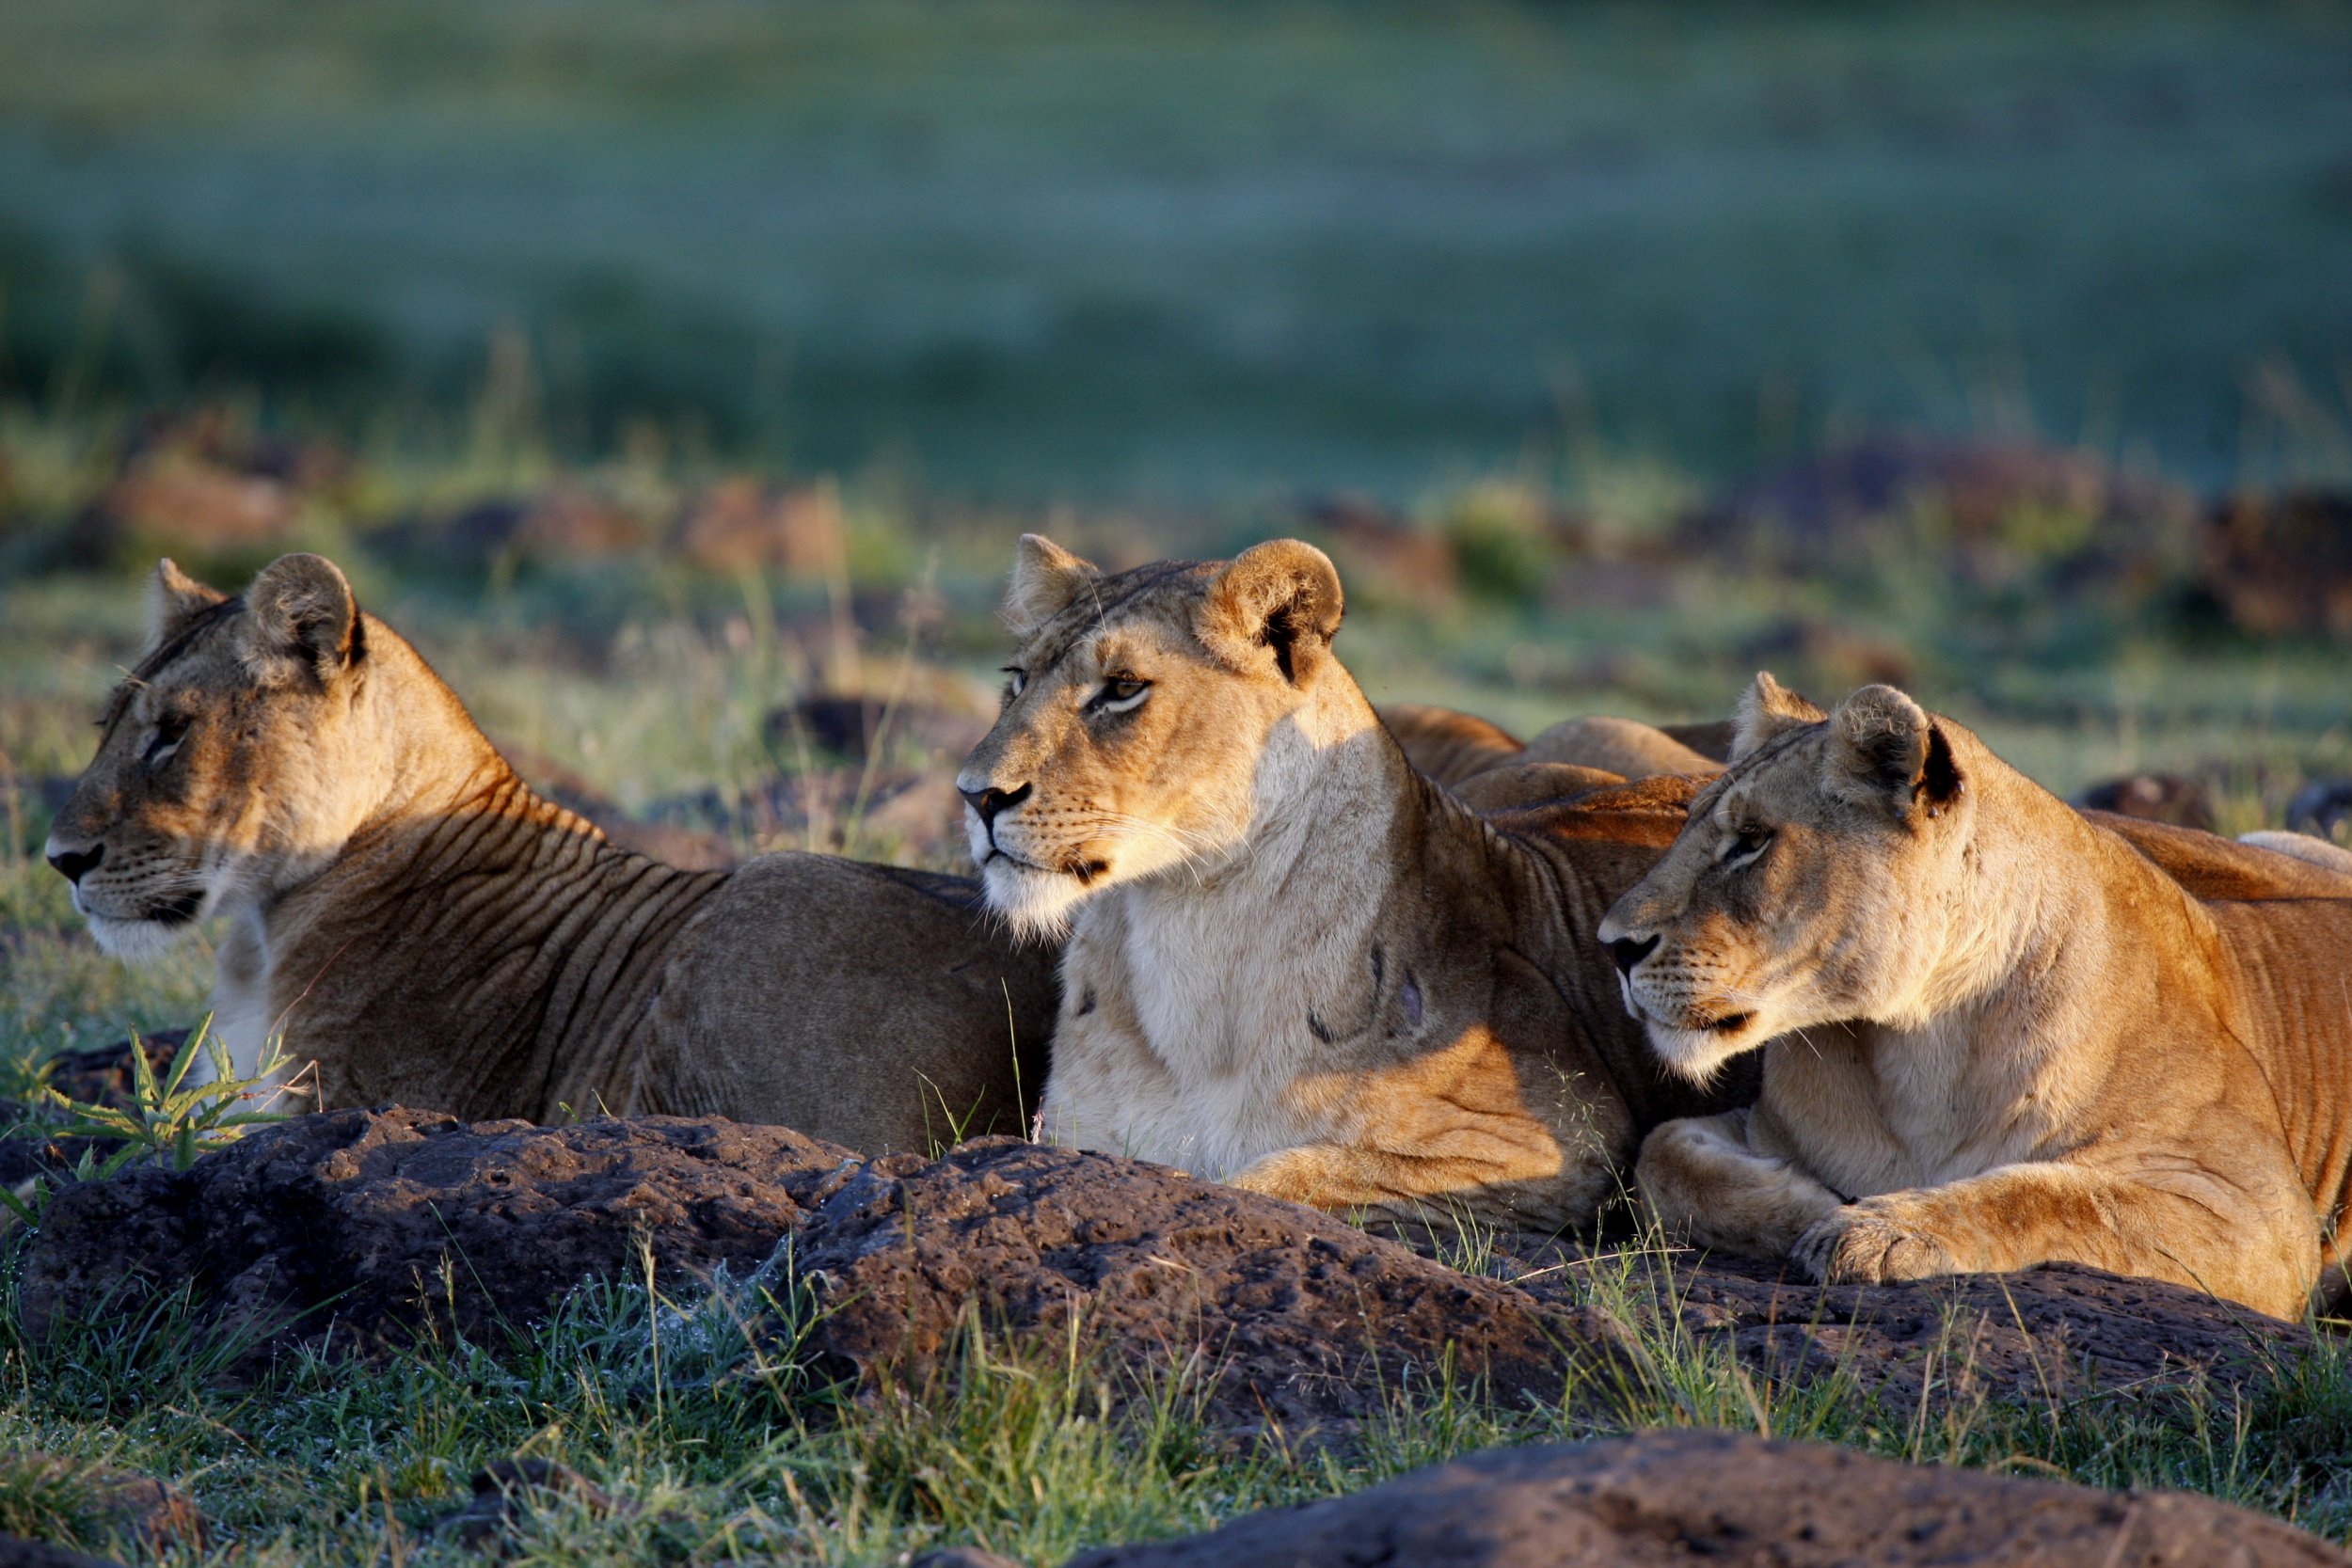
(1346, 1177)
(2172, 1224)
(1710, 1187)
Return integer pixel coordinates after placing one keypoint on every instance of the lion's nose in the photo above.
(74, 864)
(989, 800)
(1628, 951)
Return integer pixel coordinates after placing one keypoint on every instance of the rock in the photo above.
(1996, 508)
(16, 1552)
(506, 1492)
(2060, 1328)
(389, 1224)
(896, 814)
(102, 1075)
(2281, 563)
(205, 484)
(1668, 1499)
(963, 1557)
(741, 525)
(104, 1501)
(851, 726)
(2153, 798)
(1295, 1318)
(1387, 555)
(2320, 808)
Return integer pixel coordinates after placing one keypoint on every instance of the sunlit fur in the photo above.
(1996, 1031)
(420, 927)
(1295, 964)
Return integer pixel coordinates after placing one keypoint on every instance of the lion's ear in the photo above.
(173, 600)
(1281, 597)
(1046, 578)
(1768, 709)
(1883, 744)
(300, 615)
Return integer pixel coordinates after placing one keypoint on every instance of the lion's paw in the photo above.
(1863, 1246)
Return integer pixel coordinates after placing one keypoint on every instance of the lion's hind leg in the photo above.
(1711, 1187)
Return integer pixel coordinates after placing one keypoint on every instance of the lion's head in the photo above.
(1820, 878)
(227, 761)
(1149, 719)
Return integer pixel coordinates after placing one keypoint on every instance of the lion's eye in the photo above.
(1119, 693)
(1745, 844)
(170, 730)
(1015, 678)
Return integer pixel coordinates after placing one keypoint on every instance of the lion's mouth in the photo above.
(176, 911)
(1730, 1023)
(1085, 870)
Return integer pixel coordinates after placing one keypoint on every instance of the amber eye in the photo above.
(170, 730)
(1119, 693)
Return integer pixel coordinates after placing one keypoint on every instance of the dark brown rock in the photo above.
(2058, 1330)
(2153, 798)
(16, 1552)
(1995, 509)
(99, 1076)
(506, 1491)
(107, 1502)
(385, 1225)
(1669, 1499)
(1295, 1317)
(2281, 563)
(2321, 808)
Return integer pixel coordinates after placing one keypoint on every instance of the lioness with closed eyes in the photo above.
(1994, 1031)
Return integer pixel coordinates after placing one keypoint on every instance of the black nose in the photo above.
(72, 865)
(989, 801)
(1627, 952)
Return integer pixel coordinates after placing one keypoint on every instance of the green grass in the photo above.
(721, 1446)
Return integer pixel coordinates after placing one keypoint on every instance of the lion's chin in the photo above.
(1698, 1056)
(1037, 902)
(136, 940)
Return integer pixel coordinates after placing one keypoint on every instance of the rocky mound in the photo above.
(1295, 1317)
(382, 1226)
(370, 1228)
(1672, 1497)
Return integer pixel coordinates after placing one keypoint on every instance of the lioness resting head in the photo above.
(1295, 964)
(1995, 1032)
(428, 931)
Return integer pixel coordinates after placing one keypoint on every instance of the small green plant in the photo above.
(169, 1118)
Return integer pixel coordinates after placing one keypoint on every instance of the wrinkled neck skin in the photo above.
(438, 846)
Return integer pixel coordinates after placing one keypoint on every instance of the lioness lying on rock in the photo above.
(1295, 964)
(1995, 1032)
(428, 931)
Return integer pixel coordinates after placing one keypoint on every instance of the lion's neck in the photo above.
(2032, 936)
(1251, 965)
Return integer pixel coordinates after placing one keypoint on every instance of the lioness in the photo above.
(430, 932)
(1454, 747)
(1295, 964)
(1995, 1032)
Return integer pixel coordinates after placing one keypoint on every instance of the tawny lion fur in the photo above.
(426, 930)
(1995, 1032)
(1295, 963)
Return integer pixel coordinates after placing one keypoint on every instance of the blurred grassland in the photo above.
(1189, 251)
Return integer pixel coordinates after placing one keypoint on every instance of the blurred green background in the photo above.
(1186, 252)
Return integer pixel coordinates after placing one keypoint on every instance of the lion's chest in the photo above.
(1185, 1046)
